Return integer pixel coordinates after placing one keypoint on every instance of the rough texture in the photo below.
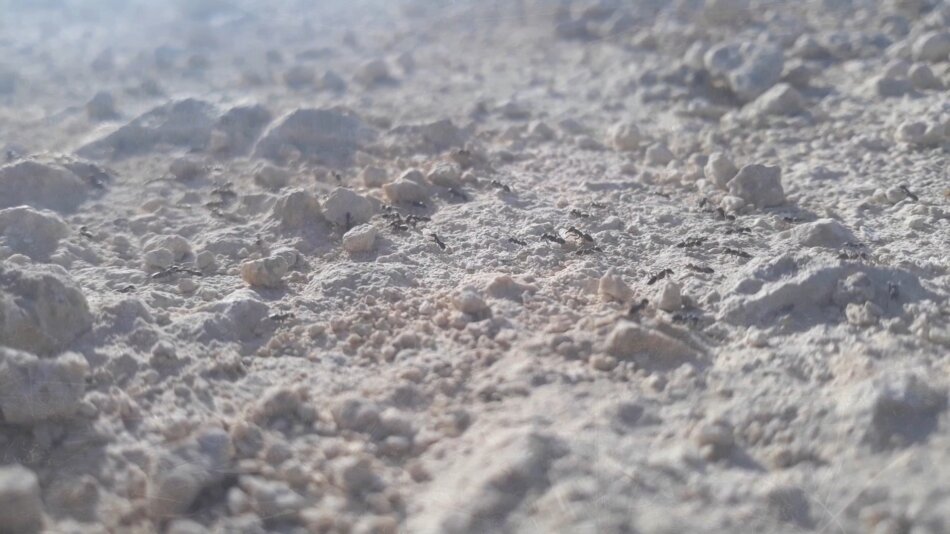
(41, 309)
(21, 507)
(37, 389)
(384, 266)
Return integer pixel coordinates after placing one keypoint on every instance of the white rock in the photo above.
(732, 204)
(297, 209)
(240, 315)
(35, 233)
(749, 68)
(888, 86)
(469, 301)
(504, 286)
(625, 137)
(856, 288)
(176, 244)
(920, 134)
(865, 314)
(827, 233)
(289, 254)
(37, 389)
(41, 309)
(373, 72)
(445, 174)
(932, 46)
(328, 136)
(355, 413)
(659, 154)
(265, 272)
(373, 177)
(205, 260)
(922, 77)
(159, 258)
(715, 438)
(40, 184)
(404, 190)
(612, 286)
(631, 340)
(344, 207)
(720, 169)
(759, 185)
(670, 298)
(183, 123)
(360, 239)
(781, 99)
(272, 177)
(356, 476)
(21, 507)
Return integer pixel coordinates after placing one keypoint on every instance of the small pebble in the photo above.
(759, 185)
(625, 137)
(265, 272)
(670, 297)
(21, 507)
(720, 169)
(359, 239)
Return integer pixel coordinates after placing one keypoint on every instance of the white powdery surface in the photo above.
(475, 267)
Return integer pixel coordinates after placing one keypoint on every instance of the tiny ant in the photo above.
(553, 238)
(656, 277)
(583, 235)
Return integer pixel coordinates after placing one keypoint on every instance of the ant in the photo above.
(736, 252)
(656, 277)
(498, 185)
(281, 316)
(553, 238)
(908, 192)
(691, 242)
(638, 307)
(583, 235)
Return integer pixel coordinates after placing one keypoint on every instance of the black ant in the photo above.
(691, 242)
(583, 235)
(736, 252)
(907, 192)
(656, 277)
(553, 238)
(638, 307)
(281, 316)
(498, 185)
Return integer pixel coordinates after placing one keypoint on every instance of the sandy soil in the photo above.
(473, 267)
